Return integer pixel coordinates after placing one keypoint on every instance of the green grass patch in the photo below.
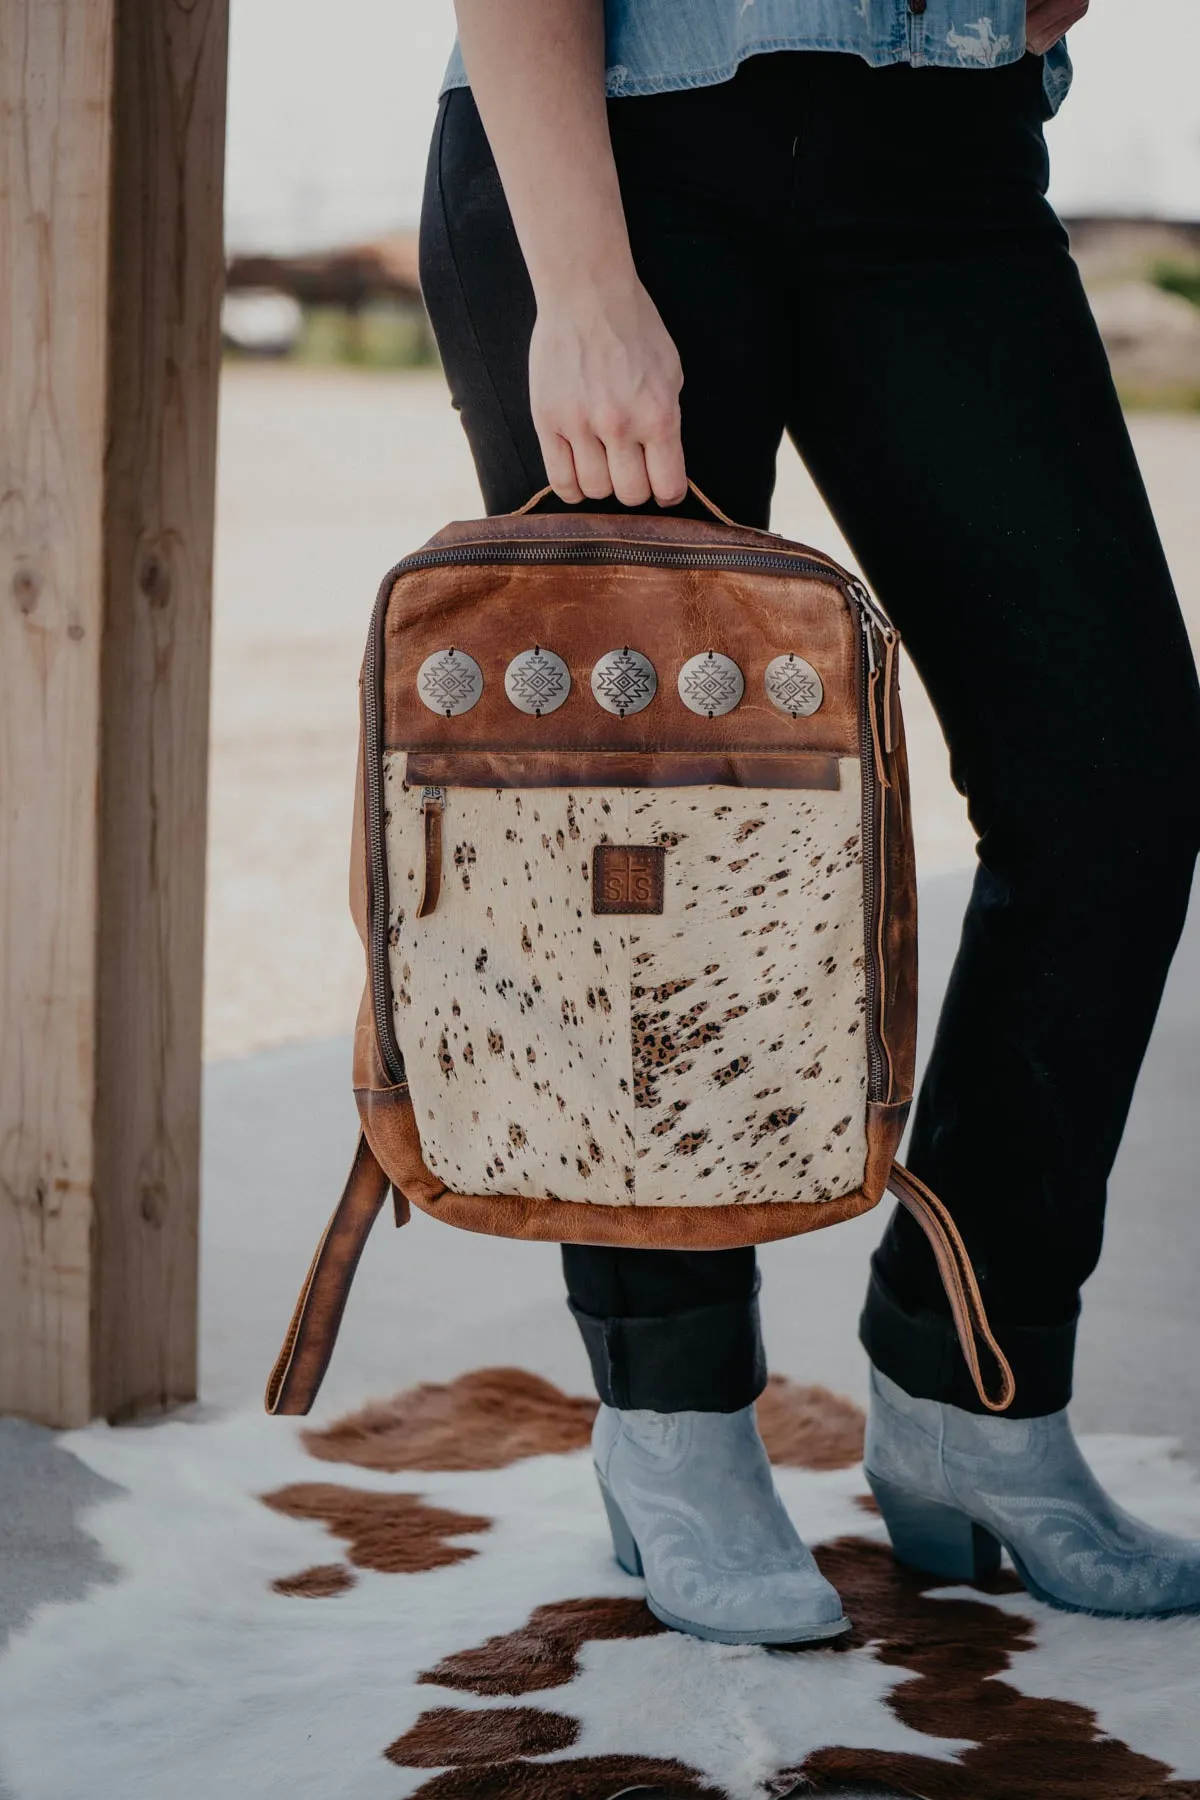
(1173, 397)
(1178, 277)
(379, 336)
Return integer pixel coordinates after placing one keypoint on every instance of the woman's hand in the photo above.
(1047, 20)
(604, 381)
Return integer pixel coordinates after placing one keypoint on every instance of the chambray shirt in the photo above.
(652, 46)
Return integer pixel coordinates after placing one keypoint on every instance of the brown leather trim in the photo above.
(641, 1227)
(583, 611)
(877, 876)
(358, 850)
(301, 1364)
(391, 1128)
(885, 1128)
(367, 1070)
(652, 529)
(619, 768)
(899, 999)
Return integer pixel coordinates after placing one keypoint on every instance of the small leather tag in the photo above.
(628, 878)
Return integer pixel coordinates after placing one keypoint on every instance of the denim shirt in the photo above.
(655, 45)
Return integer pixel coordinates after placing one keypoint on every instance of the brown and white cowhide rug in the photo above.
(421, 1599)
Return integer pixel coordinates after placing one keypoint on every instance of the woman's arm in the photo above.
(604, 375)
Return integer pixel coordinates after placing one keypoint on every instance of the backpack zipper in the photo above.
(877, 633)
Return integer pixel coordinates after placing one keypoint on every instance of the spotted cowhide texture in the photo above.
(711, 1054)
(420, 1599)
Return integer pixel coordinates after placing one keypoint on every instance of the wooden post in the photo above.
(112, 126)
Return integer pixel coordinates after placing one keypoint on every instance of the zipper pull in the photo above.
(871, 607)
(891, 691)
(872, 644)
(433, 803)
(878, 745)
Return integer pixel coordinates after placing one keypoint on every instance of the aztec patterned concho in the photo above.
(711, 684)
(624, 681)
(537, 681)
(793, 685)
(449, 682)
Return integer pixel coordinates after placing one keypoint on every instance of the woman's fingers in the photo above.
(664, 465)
(591, 464)
(627, 467)
(589, 469)
(585, 466)
(560, 467)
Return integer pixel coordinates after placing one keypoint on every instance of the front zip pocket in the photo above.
(708, 1048)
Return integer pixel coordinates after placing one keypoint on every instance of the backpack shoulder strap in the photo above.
(958, 1279)
(302, 1362)
(308, 1346)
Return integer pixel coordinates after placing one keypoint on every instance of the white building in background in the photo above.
(331, 106)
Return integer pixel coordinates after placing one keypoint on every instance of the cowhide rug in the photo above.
(421, 1599)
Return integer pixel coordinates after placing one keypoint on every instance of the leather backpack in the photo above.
(632, 865)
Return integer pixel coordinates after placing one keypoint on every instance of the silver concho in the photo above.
(449, 682)
(537, 681)
(793, 685)
(624, 681)
(711, 684)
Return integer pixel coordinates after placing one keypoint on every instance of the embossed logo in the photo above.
(628, 878)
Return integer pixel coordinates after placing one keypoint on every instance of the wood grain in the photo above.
(111, 156)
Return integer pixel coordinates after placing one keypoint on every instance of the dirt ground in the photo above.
(325, 479)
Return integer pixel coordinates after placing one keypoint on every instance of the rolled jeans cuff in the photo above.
(709, 1359)
(921, 1353)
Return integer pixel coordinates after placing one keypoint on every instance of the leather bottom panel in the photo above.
(641, 1227)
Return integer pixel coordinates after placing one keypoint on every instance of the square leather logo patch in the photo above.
(628, 878)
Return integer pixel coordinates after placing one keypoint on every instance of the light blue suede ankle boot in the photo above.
(693, 1507)
(954, 1486)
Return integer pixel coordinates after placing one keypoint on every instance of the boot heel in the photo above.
(938, 1539)
(624, 1543)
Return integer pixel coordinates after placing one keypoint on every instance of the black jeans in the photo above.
(865, 260)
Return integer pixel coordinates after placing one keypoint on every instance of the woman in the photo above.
(658, 235)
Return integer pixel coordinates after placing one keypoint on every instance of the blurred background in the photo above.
(339, 450)
(338, 453)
